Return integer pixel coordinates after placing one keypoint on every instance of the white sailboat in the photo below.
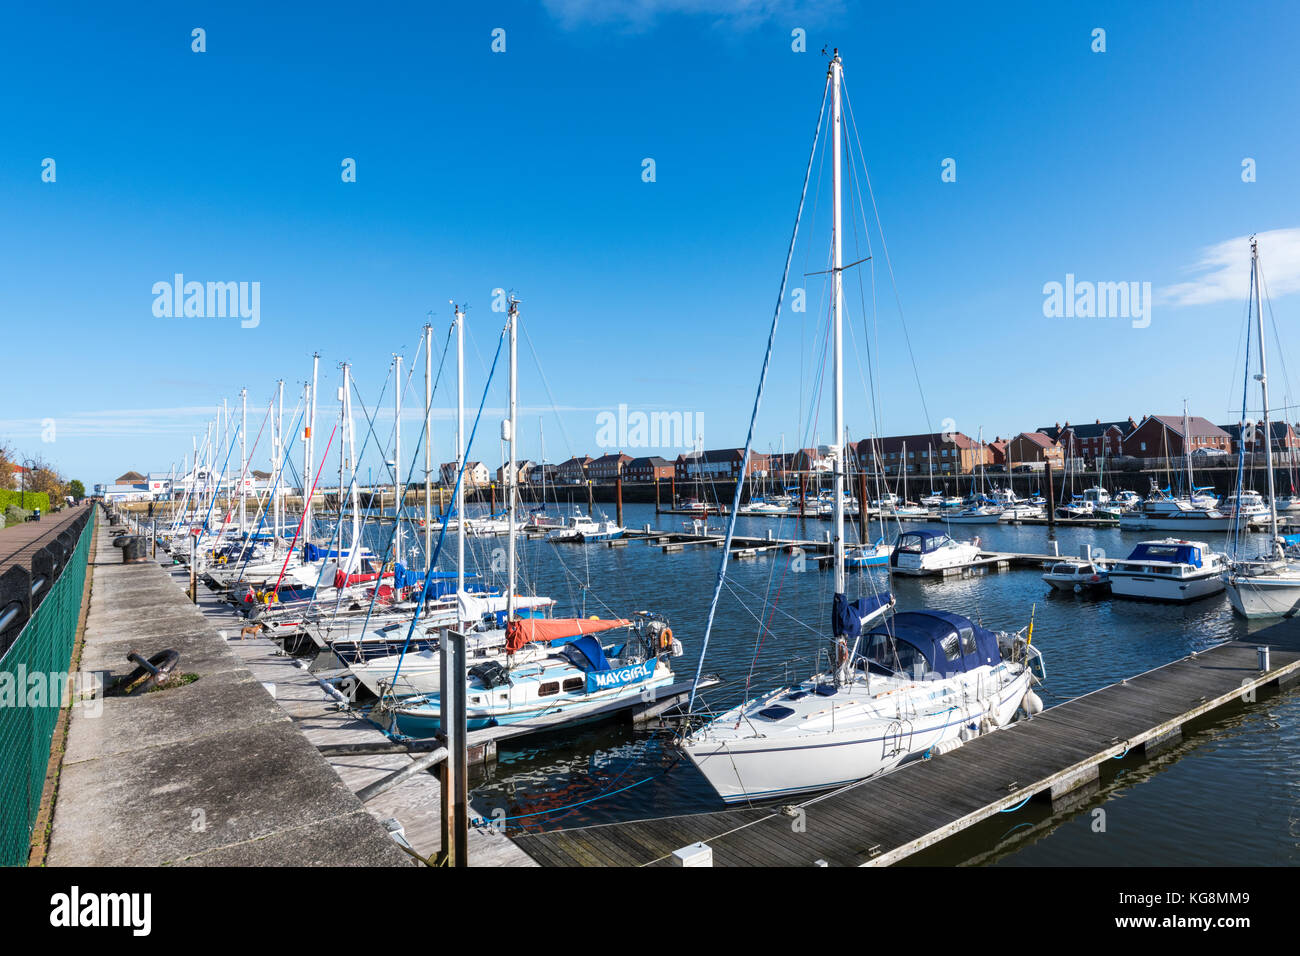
(921, 681)
(1267, 585)
(554, 670)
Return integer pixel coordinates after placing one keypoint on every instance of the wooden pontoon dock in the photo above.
(1055, 756)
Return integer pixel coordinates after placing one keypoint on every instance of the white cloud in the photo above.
(642, 14)
(1225, 270)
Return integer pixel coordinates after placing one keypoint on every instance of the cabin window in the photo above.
(951, 647)
(575, 683)
(549, 689)
(967, 640)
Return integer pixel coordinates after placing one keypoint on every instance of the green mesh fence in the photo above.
(27, 719)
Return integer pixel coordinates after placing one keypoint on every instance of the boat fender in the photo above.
(1031, 703)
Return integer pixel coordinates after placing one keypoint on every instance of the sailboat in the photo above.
(1267, 585)
(556, 670)
(902, 686)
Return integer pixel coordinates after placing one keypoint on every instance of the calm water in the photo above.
(1230, 793)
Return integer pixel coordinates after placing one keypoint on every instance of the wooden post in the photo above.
(862, 507)
(493, 486)
(672, 487)
(656, 481)
(618, 500)
(1051, 496)
(453, 770)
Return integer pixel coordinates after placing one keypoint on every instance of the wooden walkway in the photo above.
(886, 819)
(20, 542)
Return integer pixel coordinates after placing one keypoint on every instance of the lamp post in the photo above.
(27, 466)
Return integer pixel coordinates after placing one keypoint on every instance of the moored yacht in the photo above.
(923, 552)
(1170, 569)
(921, 681)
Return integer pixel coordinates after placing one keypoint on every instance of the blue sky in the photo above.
(523, 170)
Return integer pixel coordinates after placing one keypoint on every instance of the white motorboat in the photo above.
(582, 527)
(1169, 569)
(1077, 575)
(1076, 509)
(976, 514)
(1020, 511)
(1183, 518)
(924, 552)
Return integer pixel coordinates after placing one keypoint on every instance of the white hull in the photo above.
(1266, 595)
(1178, 521)
(756, 768)
(1153, 587)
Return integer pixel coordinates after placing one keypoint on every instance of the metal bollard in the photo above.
(134, 548)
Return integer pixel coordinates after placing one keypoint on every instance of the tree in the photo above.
(6, 467)
(76, 489)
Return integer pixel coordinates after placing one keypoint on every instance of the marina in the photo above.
(649, 435)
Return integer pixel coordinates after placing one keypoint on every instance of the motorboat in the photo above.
(924, 552)
(1169, 569)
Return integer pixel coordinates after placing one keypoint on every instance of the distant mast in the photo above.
(428, 445)
(1263, 387)
(399, 487)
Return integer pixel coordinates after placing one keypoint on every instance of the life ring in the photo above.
(666, 639)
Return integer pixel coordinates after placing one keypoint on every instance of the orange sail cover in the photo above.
(525, 630)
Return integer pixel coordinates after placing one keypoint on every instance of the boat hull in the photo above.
(1265, 596)
(759, 768)
(1151, 587)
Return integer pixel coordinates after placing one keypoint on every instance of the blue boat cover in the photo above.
(442, 583)
(585, 652)
(1180, 553)
(949, 643)
(847, 616)
(315, 552)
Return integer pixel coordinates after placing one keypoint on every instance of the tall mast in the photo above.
(243, 462)
(309, 453)
(508, 433)
(460, 451)
(837, 425)
(1263, 387)
(428, 444)
(351, 434)
(225, 445)
(343, 447)
(399, 487)
(1187, 442)
(279, 460)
